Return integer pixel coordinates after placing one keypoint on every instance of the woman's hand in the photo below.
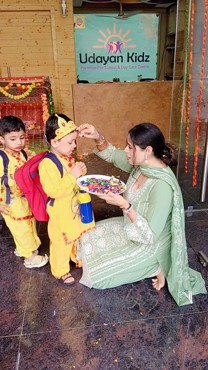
(88, 131)
(3, 209)
(78, 170)
(118, 200)
(115, 199)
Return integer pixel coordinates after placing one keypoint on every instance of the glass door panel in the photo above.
(189, 117)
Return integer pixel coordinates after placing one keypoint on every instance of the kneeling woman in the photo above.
(149, 240)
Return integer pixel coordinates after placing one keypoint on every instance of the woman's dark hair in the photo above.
(52, 126)
(11, 124)
(147, 134)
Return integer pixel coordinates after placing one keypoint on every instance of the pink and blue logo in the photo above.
(114, 41)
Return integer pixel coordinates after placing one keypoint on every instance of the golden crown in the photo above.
(64, 127)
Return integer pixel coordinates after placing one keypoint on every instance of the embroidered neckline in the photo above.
(70, 159)
(18, 156)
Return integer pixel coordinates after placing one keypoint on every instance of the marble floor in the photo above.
(46, 326)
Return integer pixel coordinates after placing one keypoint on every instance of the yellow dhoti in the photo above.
(64, 225)
(20, 220)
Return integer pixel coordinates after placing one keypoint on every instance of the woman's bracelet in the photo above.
(101, 137)
(102, 142)
(127, 210)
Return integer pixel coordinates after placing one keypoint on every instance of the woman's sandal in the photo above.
(37, 261)
(62, 279)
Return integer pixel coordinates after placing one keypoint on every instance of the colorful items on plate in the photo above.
(101, 184)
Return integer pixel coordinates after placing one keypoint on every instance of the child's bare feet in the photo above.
(159, 282)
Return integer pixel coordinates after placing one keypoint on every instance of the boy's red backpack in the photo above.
(28, 179)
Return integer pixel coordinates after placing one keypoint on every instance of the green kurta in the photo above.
(119, 252)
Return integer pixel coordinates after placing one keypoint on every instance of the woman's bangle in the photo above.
(102, 142)
(101, 137)
(127, 210)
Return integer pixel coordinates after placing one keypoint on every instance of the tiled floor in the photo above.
(45, 326)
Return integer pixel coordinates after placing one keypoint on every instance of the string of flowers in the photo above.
(189, 76)
(4, 91)
(199, 100)
(44, 107)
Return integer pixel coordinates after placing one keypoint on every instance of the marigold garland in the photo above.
(4, 91)
(45, 108)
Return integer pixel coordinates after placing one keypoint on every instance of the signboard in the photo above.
(107, 48)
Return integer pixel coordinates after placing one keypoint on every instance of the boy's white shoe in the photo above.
(37, 261)
(18, 255)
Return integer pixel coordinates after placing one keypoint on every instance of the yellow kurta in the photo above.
(64, 225)
(20, 220)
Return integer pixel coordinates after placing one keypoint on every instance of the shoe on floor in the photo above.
(37, 261)
(18, 255)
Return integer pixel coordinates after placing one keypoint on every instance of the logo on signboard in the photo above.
(79, 21)
(114, 42)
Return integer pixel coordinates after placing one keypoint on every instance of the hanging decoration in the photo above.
(200, 96)
(45, 108)
(29, 88)
(189, 62)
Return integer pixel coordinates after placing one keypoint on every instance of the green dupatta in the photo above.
(183, 282)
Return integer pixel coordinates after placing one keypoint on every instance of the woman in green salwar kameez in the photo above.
(149, 240)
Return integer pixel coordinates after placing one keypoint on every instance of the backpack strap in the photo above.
(59, 165)
(24, 154)
(4, 179)
(57, 162)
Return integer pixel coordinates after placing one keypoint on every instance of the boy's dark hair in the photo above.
(10, 124)
(52, 126)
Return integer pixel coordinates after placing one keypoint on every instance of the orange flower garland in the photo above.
(30, 87)
(199, 102)
(45, 108)
(188, 104)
